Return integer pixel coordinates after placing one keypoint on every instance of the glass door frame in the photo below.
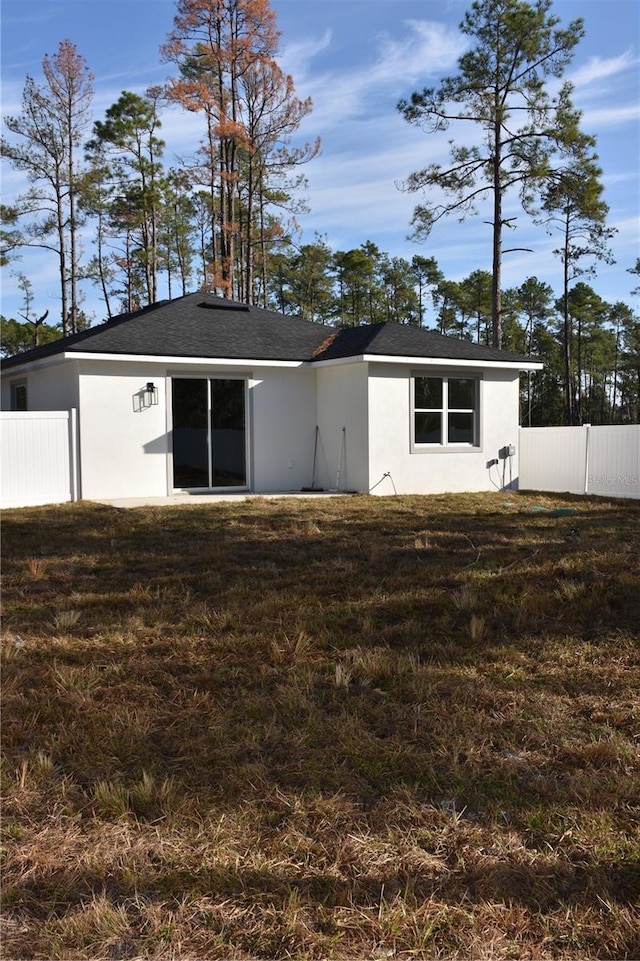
(208, 377)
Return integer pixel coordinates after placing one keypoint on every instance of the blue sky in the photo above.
(356, 59)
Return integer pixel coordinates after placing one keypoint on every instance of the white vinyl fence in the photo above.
(581, 460)
(38, 457)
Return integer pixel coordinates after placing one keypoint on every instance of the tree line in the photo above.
(365, 285)
(212, 220)
(225, 218)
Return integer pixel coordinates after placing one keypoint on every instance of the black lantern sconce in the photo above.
(146, 397)
(149, 395)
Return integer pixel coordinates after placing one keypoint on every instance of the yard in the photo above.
(323, 729)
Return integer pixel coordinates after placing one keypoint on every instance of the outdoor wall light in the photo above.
(145, 397)
(151, 394)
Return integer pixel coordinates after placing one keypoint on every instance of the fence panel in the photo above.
(38, 457)
(579, 460)
(614, 461)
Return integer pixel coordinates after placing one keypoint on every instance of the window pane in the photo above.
(19, 392)
(461, 428)
(428, 393)
(462, 394)
(428, 429)
(190, 433)
(228, 433)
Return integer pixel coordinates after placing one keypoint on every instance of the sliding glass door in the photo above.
(190, 433)
(209, 433)
(228, 451)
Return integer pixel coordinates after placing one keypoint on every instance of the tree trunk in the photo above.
(62, 264)
(578, 408)
(567, 333)
(496, 298)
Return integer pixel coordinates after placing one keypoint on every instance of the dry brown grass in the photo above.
(323, 729)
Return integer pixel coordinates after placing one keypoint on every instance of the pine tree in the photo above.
(574, 208)
(46, 138)
(31, 331)
(427, 275)
(302, 282)
(225, 52)
(359, 291)
(401, 303)
(534, 301)
(177, 231)
(127, 150)
(501, 89)
(476, 295)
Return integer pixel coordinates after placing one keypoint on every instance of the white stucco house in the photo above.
(204, 394)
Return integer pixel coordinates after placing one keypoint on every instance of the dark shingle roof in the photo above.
(202, 325)
(397, 340)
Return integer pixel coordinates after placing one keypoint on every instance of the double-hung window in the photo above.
(445, 411)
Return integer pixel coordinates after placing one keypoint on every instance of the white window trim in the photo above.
(445, 447)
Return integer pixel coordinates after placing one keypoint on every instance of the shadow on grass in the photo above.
(461, 672)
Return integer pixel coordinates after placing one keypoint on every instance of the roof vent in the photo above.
(221, 306)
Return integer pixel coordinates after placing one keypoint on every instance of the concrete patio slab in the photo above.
(192, 500)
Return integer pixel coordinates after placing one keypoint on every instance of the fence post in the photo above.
(586, 458)
(73, 453)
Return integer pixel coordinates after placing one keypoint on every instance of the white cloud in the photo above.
(627, 238)
(429, 49)
(296, 57)
(598, 68)
(610, 116)
(344, 94)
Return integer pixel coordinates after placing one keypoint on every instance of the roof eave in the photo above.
(182, 359)
(32, 363)
(515, 365)
(524, 364)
